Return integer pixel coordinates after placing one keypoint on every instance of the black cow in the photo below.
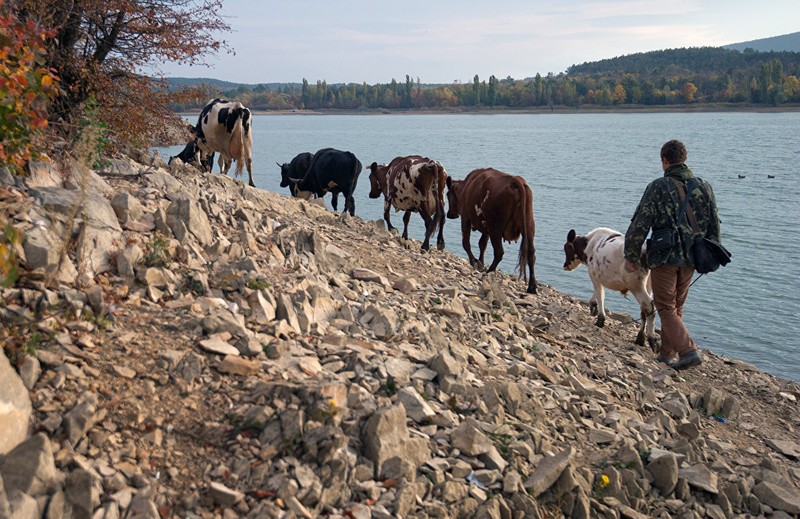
(330, 170)
(191, 155)
(296, 169)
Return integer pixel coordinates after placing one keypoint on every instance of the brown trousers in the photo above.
(670, 288)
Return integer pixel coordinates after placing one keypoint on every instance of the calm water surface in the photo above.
(590, 170)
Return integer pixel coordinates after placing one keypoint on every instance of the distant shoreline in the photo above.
(700, 108)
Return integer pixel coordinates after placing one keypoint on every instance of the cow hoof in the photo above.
(592, 308)
(653, 342)
(531, 289)
(600, 322)
(639, 339)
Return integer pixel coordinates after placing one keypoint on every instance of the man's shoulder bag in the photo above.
(708, 254)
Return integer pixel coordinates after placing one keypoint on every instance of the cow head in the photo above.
(377, 179)
(453, 192)
(284, 174)
(575, 250)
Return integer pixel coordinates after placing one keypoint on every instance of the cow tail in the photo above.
(238, 140)
(526, 248)
(438, 177)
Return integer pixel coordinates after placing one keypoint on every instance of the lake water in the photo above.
(590, 170)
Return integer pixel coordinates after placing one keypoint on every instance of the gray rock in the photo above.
(445, 365)
(23, 506)
(386, 436)
(470, 440)
(699, 476)
(127, 207)
(665, 473)
(788, 448)
(81, 494)
(218, 346)
(15, 407)
(142, 507)
(547, 472)
(30, 369)
(42, 251)
(223, 495)
(184, 215)
(416, 407)
(5, 507)
(778, 497)
(80, 418)
(30, 467)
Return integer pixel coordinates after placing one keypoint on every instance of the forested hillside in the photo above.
(661, 78)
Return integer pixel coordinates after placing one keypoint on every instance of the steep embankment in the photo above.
(212, 350)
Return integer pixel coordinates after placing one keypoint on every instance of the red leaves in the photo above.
(26, 89)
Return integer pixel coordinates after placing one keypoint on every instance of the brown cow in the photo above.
(412, 184)
(500, 207)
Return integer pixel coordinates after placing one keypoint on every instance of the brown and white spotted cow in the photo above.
(412, 184)
(500, 207)
(226, 127)
(602, 250)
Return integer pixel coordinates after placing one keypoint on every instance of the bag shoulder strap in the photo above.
(686, 207)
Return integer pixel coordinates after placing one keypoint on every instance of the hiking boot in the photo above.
(687, 360)
(665, 360)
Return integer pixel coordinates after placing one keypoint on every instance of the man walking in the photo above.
(669, 254)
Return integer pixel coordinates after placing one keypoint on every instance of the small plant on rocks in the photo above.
(157, 255)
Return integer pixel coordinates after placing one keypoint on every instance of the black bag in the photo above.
(709, 255)
(662, 239)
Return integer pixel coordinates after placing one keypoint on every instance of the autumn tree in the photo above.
(688, 91)
(26, 88)
(107, 52)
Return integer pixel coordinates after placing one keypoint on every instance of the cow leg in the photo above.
(466, 230)
(648, 314)
(350, 204)
(440, 238)
(497, 247)
(482, 242)
(430, 226)
(599, 298)
(406, 219)
(386, 208)
(335, 200)
(249, 165)
(224, 164)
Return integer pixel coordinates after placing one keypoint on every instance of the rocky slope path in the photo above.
(185, 346)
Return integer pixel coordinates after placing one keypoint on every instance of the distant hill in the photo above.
(787, 42)
(190, 82)
(686, 61)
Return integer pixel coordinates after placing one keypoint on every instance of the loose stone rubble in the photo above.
(206, 349)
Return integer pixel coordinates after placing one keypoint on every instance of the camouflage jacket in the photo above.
(659, 209)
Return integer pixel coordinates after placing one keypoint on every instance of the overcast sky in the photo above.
(441, 41)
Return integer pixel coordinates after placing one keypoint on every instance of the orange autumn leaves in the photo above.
(26, 89)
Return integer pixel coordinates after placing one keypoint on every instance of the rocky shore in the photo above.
(182, 345)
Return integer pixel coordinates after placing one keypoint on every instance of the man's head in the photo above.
(673, 152)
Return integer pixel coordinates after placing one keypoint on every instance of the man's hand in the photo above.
(631, 267)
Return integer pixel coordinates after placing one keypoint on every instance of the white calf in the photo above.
(602, 250)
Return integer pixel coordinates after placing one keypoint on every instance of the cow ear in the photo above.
(571, 235)
(449, 182)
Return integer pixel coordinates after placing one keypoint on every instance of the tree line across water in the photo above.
(659, 78)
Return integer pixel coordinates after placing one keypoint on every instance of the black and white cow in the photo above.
(295, 169)
(602, 251)
(225, 127)
(333, 171)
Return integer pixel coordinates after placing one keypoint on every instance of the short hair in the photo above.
(674, 151)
